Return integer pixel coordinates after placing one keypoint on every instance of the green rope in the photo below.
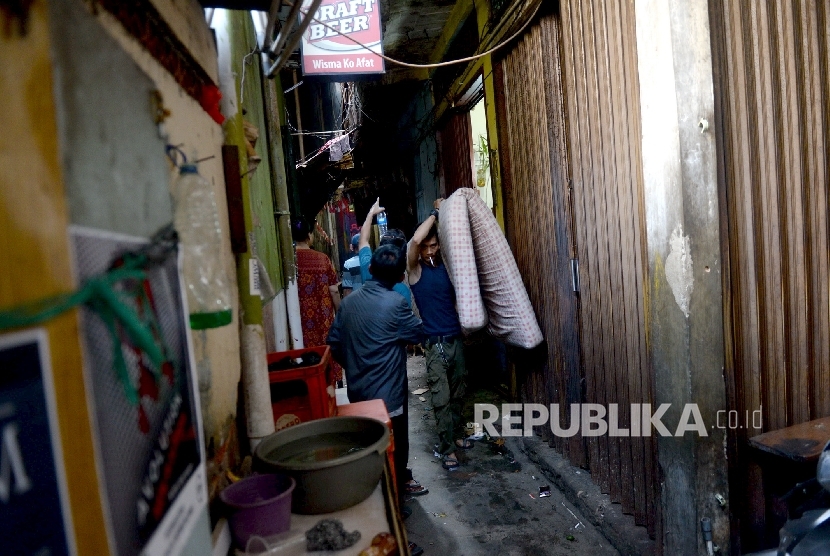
(42, 310)
(99, 295)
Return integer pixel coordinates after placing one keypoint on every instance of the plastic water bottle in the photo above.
(382, 222)
(200, 240)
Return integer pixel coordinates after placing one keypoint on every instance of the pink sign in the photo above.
(326, 51)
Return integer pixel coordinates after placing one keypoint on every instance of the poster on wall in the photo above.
(329, 45)
(35, 517)
(147, 422)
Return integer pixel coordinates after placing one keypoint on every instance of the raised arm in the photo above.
(366, 229)
(413, 251)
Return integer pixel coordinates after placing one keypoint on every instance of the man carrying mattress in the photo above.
(446, 371)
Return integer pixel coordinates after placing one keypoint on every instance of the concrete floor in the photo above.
(491, 504)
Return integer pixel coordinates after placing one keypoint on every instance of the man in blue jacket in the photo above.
(369, 338)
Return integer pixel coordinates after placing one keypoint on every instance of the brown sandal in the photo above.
(465, 444)
(414, 488)
(450, 464)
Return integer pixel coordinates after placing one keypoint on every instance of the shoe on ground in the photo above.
(415, 550)
(464, 444)
(406, 511)
(414, 488)
(450, 464)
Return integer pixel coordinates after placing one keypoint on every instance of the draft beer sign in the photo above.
(329, 45)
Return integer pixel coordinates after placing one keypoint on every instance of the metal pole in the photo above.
(274, 105)
(295, 38)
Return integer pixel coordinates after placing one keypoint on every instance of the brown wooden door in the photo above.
(456, 137)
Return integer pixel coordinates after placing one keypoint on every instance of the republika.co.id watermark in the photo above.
(591, 419)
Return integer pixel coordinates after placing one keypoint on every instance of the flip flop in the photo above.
(414, 488)
(465, 444)
(450, 464)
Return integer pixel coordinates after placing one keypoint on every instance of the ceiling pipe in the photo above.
(270, 23)
(285, 30)
(295, 37)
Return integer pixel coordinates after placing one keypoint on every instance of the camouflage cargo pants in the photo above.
(447, 380)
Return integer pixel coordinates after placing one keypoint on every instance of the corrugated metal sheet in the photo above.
(584, 126)
(602, 100)
(773, 84)
(536, 189)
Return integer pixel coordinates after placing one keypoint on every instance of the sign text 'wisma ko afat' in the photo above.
(330, 44)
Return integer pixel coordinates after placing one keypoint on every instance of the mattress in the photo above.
(488, 287)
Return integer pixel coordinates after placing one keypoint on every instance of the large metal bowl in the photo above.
(336, 462)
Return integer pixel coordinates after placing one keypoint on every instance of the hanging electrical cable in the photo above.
(303, 163)
(242, 81)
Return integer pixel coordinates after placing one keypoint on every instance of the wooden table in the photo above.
(801, 443)
(376, 514)
(786, 457)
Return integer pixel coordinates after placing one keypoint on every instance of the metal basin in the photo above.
(336, 462)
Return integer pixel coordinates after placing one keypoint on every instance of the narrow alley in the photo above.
(492, 504)
(213, 213)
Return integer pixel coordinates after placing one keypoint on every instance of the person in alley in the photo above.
(444, 345)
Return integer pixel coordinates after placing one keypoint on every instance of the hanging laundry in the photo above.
(338, 147)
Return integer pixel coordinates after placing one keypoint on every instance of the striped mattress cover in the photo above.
(488, 287)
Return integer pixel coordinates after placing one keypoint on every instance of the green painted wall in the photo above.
(243, 41)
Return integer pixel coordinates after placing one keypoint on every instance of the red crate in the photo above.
(302, 394)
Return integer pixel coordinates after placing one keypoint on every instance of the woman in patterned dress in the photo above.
(318, 287)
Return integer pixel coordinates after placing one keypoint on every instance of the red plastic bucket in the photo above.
(259, 505)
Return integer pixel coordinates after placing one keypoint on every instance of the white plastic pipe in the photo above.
(295, 323)
(255, 385)
(279, 312)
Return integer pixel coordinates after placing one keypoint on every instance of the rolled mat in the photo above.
(488, 286)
